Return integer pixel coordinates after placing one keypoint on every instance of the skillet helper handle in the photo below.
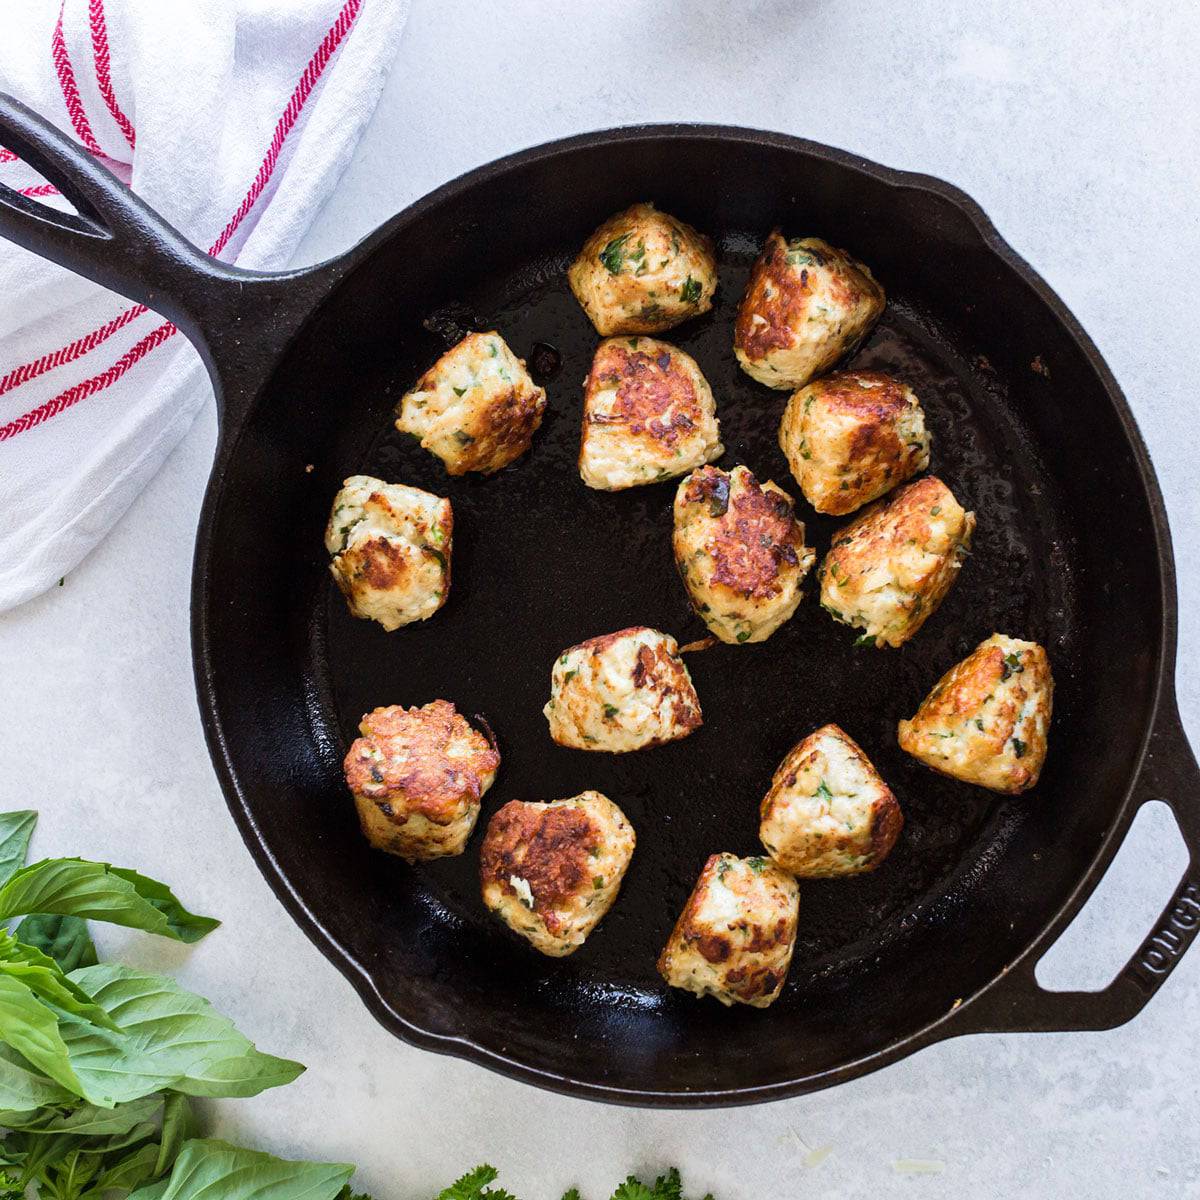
(114, 239)
(1016, 1002)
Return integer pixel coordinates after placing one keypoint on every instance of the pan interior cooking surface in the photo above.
(541, 562)
(1026, 431)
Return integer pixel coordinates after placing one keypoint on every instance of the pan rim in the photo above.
(465, 1047)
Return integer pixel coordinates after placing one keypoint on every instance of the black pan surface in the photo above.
(1029, 430)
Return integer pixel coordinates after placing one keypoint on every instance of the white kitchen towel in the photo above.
(234, 120)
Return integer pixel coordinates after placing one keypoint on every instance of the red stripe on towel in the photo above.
(70, 90)
(69, 353)
(100, 53)
(89, 387)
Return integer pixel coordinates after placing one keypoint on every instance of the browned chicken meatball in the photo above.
(828, 812)
(643, 271)
(988, 718)
(551, 871)
(740, 552)
(476, 408)
(890, 568)
(648, 414)
(849, 438)
(417, 775)
(734, 938)
(621, 691)
(806, 306)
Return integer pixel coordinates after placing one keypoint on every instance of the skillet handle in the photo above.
(239, 321)
(1017, 1003)
(115, 239)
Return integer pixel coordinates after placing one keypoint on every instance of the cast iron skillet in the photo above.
(1029, 429)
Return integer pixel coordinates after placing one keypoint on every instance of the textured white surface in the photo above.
(1075, 129)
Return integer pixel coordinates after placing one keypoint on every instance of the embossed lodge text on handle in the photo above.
(1158, 953)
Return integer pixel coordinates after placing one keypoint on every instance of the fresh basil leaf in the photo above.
(176, 1129)
(16, 828)
(167, 1038)
(44, 977)
(140, 1135)
(23, 1091)
(87, 1120)
(30, 1028)
(212, 1170)
(136, 1168)
(76, 887)
(184, 925)
(38, 1153)
(64, 939)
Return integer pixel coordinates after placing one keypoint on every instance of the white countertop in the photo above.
(1077, 134)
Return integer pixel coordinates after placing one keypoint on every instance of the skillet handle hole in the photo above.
(1113, 923)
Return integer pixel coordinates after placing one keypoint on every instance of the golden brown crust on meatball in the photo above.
(622, 691)
(735, 936)
(643, 271)
(890, 568)
(740, 552)
(476, 408)
(828, 812)
(555, 847)
(551, 871)
(807, 305)
(417, 775)
(648, 414)
(987, 720)
(851, 437)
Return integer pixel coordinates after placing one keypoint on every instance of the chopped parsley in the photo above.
(865, 639)
(756, 864)
(718, 497)
(613, 255)
(597, 882)
(1012, 662)
(460, 391)
(823, 791)
(744, 635)
(1019, 747)
(610, 711)
(690, 292)
(937, 508)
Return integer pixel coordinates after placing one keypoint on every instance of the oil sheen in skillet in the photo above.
(542, 562)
